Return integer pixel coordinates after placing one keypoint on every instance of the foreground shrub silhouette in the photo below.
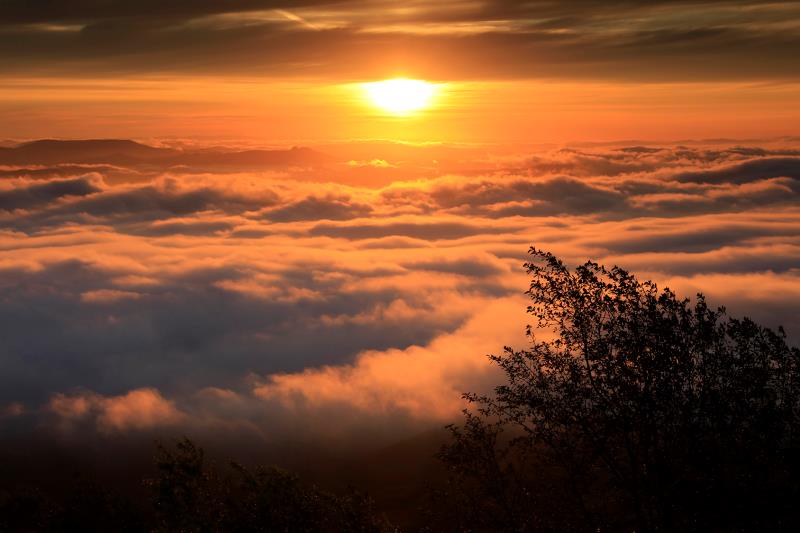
(631, 410)
(191, 496)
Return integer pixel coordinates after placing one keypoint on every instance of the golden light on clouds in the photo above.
(401, 96)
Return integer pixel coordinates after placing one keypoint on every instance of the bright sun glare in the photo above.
(401, 96)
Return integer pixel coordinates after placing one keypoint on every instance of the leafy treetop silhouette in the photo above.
(639, 410)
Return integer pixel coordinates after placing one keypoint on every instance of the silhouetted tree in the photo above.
(644, 411)
(188, 495)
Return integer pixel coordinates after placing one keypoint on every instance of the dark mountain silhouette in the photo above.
(113, 151)
(131, 153)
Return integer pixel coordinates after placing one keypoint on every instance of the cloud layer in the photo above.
(134, 301)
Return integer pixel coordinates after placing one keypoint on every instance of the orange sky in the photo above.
(273, 71)
(463, 111)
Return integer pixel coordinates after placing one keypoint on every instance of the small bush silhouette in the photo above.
(191, 496)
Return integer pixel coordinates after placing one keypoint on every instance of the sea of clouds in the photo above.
(297, 301)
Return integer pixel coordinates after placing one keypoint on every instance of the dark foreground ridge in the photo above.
(630, 410)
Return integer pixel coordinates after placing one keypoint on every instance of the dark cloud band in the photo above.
(665, 41)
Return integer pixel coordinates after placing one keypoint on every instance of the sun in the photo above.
(401, 96)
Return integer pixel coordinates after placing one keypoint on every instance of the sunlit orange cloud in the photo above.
(425, 381)
(137, 409)
(459, 111)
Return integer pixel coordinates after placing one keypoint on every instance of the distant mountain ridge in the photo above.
(126, 152)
